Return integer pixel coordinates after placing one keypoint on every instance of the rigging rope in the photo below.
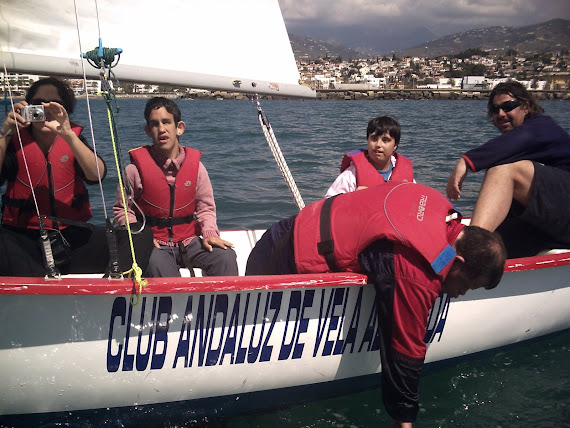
(277, 154)
(103, 59)
(113, 267)
(135, 269)
(89, 116)
(49, 261)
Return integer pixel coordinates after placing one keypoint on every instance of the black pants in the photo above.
(543, 224)
(166, 261)
(21, 253)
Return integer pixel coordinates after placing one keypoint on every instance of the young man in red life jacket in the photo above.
(170, 185)
(378, 164)
(59, 163)
(410, 242)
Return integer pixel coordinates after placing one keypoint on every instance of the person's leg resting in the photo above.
(162, 263)
(20, 255)
(90, 251)
(501, 185)
(142, 242)
(273, 254)
(219, 262)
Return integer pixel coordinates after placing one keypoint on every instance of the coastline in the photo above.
(348, 95)
(427, 94)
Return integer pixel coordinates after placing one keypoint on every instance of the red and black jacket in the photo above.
(168, 209)
(400, 235)
(330, 233)
(367, 175)
(58, 185)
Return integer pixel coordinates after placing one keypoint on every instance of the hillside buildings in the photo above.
(473, 72)
(541, 72)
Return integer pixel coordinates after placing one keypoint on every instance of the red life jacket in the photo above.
(168, 209)
(367, 175)
(59, 189)
(412, 214)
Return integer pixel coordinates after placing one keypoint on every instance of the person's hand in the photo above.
(216, 241)
(361, 187)
(57, 119)
(455, 180)
(9, 125)
(156, 244)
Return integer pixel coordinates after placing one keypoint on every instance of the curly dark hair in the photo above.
(518, 91)
(484, 253)
(65, 92)
(381, 124)
(158, 102)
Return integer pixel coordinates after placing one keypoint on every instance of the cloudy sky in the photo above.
(388, 25)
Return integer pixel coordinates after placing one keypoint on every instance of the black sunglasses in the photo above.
(507, 106)
(37, 101)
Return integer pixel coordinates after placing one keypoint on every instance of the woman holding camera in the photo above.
(52, 155)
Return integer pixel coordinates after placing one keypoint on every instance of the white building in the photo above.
(144, 89)
(473, 82)
(373, 81)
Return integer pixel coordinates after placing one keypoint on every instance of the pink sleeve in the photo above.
(205, 205)
(135, 184)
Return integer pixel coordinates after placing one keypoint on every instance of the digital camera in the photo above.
(34, 113)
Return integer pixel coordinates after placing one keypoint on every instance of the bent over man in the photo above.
(410, 242)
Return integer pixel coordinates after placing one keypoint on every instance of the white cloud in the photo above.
(338, 11)
(440, 16)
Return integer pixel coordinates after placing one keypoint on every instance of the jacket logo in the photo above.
(422, 208)
(64, 158)
(188, 183)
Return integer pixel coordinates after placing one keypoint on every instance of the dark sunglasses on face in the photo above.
(38, 101)
(507, 106)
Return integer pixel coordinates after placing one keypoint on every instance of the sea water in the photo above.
(523, 386)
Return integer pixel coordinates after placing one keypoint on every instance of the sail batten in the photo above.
(232, 45)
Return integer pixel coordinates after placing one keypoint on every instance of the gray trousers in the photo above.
(166, 261)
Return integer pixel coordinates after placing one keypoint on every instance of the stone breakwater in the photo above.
(388, 94)
(428, 94)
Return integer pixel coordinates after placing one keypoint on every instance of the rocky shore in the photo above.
(387, 94)
(428, 94)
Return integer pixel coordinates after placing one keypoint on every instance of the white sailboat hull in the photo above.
(78, 344)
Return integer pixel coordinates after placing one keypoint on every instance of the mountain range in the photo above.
(550, 36)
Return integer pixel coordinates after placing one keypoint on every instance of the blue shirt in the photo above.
(387, 173)
(538, 139)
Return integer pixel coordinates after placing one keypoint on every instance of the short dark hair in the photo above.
(484, 253)
(381, 124)
(158, 102)
(64, 91)
(518, 91)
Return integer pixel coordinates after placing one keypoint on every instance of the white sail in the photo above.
(188, 43)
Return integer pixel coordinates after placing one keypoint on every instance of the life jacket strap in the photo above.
(77, 223)
(21, 204)
(169, 221)
(79, 200)
(28, 205)
(326, 246)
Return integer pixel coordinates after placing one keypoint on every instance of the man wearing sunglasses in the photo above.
(525, 195)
